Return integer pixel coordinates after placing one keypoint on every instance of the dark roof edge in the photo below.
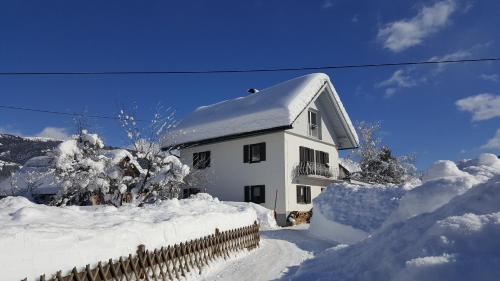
(227, 138)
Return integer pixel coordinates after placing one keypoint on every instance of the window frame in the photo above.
(303, 194)
(196, 160)
(249, 194)
(317, 125)
(248, 150)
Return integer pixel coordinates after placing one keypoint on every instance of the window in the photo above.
(255, 194)
(201, 160)
(303, 194)
(314, 122)
(254, 153)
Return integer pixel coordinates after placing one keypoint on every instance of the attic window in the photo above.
(314, 123)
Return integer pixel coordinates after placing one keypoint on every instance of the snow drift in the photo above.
(445, 229)
(458, 241)
(43, 239)
(348, 213)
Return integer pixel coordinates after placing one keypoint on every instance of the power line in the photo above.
(228, 71)
(59, 112)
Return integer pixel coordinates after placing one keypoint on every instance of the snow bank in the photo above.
(43, 239)
(348, 213)
(458, 241)
(265, 217)
(443, 181)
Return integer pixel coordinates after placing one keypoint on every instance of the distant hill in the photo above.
(15, 151)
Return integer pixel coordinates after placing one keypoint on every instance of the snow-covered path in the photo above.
(279, 255)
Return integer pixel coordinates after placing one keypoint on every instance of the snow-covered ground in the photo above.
(43, 239)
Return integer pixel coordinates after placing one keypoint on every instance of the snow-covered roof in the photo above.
(274, 107)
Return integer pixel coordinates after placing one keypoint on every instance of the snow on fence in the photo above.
(170, 262)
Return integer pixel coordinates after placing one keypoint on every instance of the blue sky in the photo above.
(437, 112)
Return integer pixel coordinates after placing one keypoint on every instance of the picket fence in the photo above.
(168, 262)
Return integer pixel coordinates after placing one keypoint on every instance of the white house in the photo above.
(277, 147)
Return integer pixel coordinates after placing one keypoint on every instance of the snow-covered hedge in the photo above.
(43, 239)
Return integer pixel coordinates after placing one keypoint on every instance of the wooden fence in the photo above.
(168, 262)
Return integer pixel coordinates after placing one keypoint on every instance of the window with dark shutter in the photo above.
(201, 160)
(254, 153)
(303, 194)
(246, 153)
(255, 194)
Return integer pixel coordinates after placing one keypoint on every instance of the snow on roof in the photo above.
(273, 107)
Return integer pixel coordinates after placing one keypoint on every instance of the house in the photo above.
(277, 147)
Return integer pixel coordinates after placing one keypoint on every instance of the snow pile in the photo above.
(443, 181)
(458, 241)
(43, 239)
(272, 107)
(348, 213)
(265, 217)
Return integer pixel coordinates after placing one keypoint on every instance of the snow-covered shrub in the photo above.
(80, 171)
(376, 161)
(163, 173)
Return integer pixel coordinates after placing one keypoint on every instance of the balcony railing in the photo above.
(315, 169)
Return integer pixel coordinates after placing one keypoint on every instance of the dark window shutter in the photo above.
(263, 151)
(327, 158)
(263, 192)
(299, 197)
(208, 160)
(247, 193)
(308, 194)
(246, 153)
(302, 153)
(318, 156)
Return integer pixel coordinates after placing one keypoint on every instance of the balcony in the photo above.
(316, 172)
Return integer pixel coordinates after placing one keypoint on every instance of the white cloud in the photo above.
(493, 143)
(54, 133)
(399, 79)
(489, 77)
(458, 55)
(400, 35)
(483, 106)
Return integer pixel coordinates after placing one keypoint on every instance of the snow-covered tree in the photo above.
(163, 172)
(377, 163)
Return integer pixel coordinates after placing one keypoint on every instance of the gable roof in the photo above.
(276, 107)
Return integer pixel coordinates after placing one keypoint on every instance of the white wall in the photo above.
(301, 125)
(292, 158)
(228, 175)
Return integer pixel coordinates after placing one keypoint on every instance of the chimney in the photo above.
(252, 91)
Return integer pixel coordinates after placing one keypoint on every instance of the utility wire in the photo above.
(222, 71)
(59, 112)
